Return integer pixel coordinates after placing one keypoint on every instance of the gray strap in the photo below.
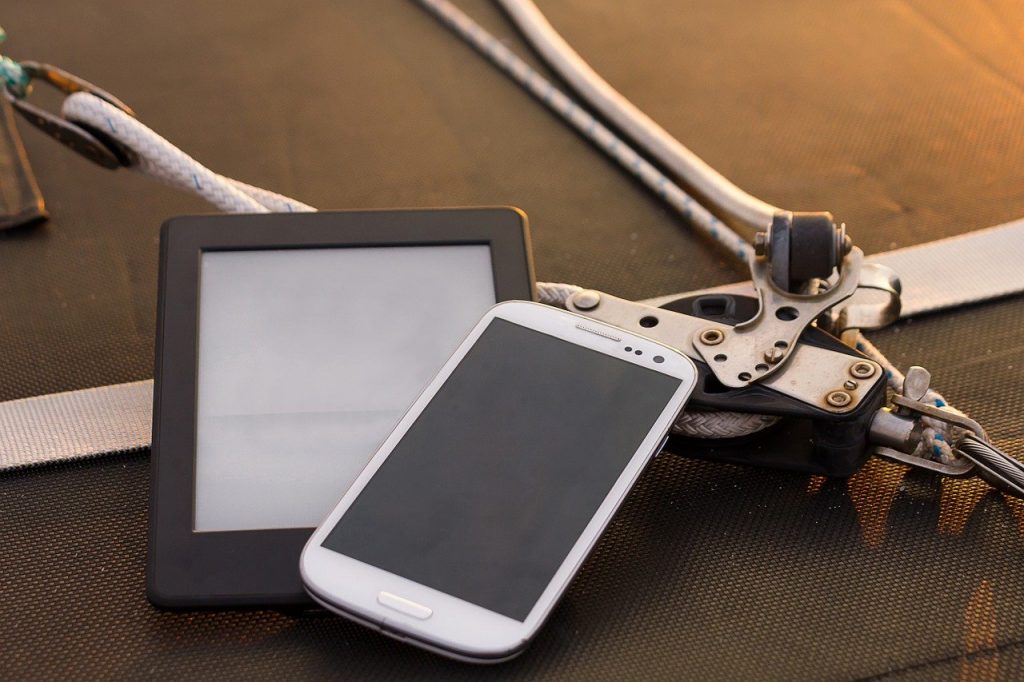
(978, 266)
(975, 267)
(75, 424)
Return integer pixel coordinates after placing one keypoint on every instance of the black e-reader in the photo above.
(288, 346)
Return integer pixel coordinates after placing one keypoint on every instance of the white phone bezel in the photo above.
(456, 627)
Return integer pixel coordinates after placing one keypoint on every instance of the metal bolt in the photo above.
(850, 385)
(587, 299)
(773, 356)
(845, 243)
(712, 337)
(838, 399)
(862, 370)
(761, 244)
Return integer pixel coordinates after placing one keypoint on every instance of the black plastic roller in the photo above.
(804, 246)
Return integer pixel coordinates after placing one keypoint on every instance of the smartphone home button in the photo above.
(403, 605)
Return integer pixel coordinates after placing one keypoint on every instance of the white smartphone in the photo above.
(466, 526)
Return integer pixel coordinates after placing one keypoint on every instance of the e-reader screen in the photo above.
(307, 358)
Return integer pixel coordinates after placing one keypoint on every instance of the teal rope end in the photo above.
(13, 76)
(11, 73)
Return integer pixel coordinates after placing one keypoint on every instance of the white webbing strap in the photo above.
(75, 424)
(978, 266)
(975, 267)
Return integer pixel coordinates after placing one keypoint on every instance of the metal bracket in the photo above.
(909, 405)
(819, 377)
(959, 469)
(878, 306)
(874, 305)
(758, 348)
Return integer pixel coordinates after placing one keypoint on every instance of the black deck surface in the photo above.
(903, 117)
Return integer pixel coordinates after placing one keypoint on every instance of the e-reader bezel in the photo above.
(188, 568)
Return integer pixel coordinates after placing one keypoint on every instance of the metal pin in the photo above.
(588, 299)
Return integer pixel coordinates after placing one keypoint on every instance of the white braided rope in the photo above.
(597, 133)
(715, 425)
(272, 201)
(556, 294)
(159, 159)
(653, 140)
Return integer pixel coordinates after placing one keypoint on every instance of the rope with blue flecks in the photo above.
(603, 138)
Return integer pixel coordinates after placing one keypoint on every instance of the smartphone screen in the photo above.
(497, 478)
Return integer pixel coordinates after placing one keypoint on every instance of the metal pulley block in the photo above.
(827, 391)
(767, 352)
(760, 347)
(812, 248)
(805, 253)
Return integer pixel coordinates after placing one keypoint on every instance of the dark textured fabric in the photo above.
(902, 117)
